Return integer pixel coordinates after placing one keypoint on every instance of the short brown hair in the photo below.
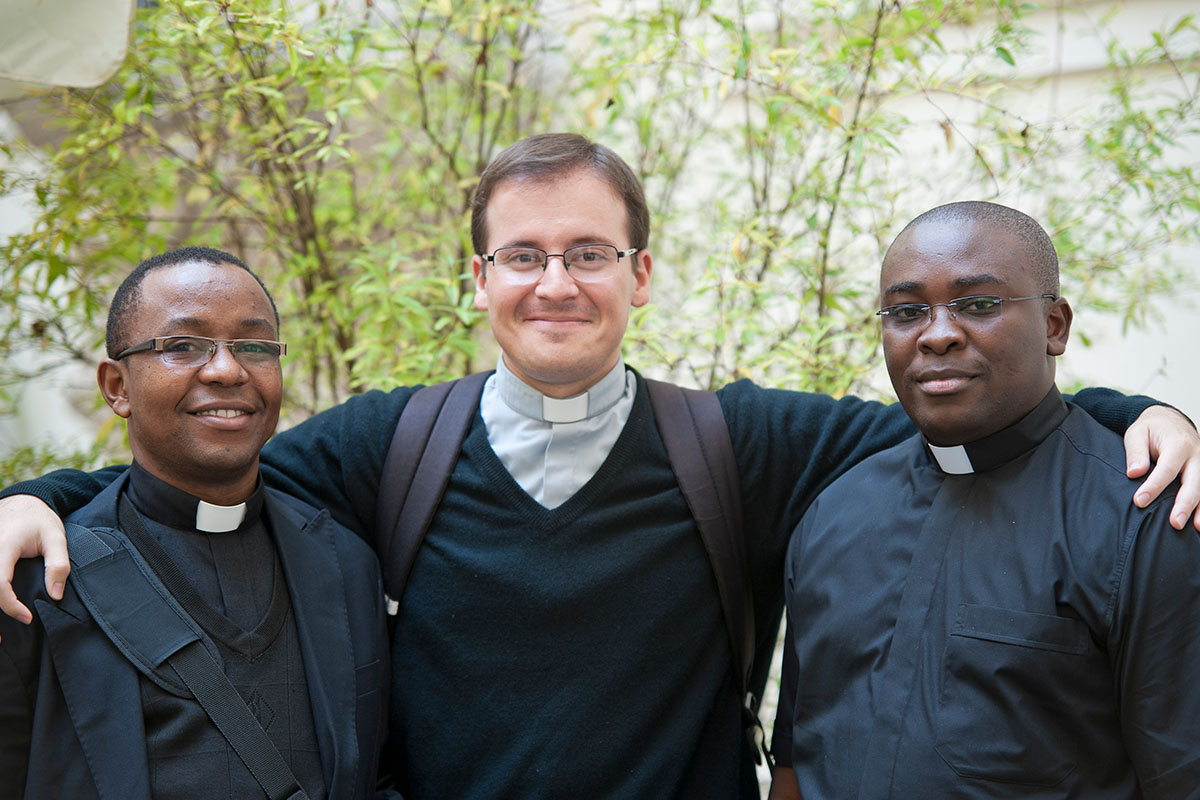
(552, 155)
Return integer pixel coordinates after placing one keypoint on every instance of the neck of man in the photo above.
(224, 494)
(558, 390)
(213, 487)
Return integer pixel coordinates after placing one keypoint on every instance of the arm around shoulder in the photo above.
(335, 459)
(1155, 433)
(1168, 439)
(29, 528)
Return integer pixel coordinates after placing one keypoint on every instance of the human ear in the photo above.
(114, 386)
(477, 267)
(1058, 326)
(641, 278)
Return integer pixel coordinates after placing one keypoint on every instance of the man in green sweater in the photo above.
(561, 633)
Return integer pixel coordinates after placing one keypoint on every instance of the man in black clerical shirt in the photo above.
(975, 613)
(190, 557)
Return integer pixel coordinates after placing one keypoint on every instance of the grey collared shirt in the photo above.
(553, 447)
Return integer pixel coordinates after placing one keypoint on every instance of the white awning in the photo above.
(61, 42)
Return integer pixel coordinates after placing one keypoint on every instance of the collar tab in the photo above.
(219, 519)
(953, 460)
(568, 409)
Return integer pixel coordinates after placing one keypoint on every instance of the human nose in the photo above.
(555, 281)
(223, 367)
(942, 330)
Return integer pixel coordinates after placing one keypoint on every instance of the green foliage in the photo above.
(334, 152)
(782, 146)
(24, 463)
(808, 134)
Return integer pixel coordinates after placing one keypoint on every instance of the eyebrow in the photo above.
(575, 242)
(250, 323)
(966, 282)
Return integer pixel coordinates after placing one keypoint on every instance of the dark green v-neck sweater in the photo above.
(575, 651)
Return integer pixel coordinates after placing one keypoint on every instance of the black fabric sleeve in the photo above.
(335, 459)
(67, 490)
(788, 447)
(791, 445)
(1112, 409)
(1154, 647)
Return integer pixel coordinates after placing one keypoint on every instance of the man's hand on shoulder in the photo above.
(28, 529)
(1167, 438)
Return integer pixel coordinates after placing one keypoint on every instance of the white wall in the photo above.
(47, 407)
(1161, 361)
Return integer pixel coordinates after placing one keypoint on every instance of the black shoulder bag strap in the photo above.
(421, 457)
(233, 718)
(148, 626)
(697, 439)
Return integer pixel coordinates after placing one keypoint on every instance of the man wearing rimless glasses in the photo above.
(561, 631)
(977, 612)
(216, 639)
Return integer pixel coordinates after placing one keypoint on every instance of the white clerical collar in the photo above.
(952, 460)
(1003, 446)
(524, 399)
(219, 519)
(175, 508)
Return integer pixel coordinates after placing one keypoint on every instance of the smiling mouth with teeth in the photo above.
(220, 412)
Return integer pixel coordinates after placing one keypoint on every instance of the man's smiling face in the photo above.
(557, 335)
(197, 427)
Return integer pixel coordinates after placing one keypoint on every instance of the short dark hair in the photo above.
(128, 295)
(553, 155)
(1025, 227)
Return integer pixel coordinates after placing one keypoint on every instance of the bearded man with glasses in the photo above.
(977, 612)
(189, 574)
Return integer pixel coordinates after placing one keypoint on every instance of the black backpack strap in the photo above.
(137, 613)
(422, 455)
(697, 439)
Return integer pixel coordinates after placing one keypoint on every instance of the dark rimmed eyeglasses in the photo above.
(976, 308)
(196, 351)
(586, 263)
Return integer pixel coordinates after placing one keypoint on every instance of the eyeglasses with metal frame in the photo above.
(586, 263)
(196, 351)
(975, 308)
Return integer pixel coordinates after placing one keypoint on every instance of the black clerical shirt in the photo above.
(235, 589)
(1019, 630)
